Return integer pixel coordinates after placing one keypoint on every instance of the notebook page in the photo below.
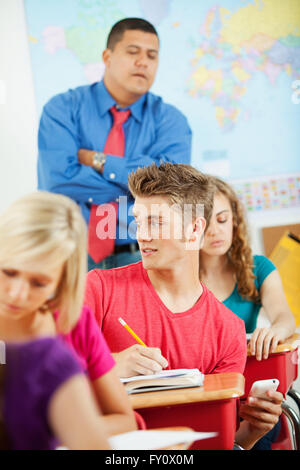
(163, 374)
(147, 440)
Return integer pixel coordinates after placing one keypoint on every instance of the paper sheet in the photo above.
(163, 373)
(151, 440)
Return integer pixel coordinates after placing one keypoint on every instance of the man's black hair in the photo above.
(119, 28)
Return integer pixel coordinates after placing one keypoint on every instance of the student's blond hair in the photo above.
(47, 229)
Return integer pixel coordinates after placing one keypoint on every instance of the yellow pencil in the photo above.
(131, 331)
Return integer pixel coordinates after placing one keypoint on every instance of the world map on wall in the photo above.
(232, 67)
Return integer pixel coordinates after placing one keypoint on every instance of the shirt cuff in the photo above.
(115, 170)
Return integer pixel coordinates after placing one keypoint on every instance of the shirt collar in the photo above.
(106, 101)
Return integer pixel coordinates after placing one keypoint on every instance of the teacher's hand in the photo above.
(85, 157)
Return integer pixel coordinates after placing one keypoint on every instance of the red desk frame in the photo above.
(282, 365)
(211, 408)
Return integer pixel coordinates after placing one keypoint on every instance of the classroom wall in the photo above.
(19, 122)
(256, 221)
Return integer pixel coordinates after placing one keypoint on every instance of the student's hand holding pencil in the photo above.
(137, 360)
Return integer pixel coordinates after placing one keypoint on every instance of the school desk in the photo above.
(282, 365)
(209, 408)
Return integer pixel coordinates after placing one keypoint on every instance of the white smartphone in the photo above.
(260, 387)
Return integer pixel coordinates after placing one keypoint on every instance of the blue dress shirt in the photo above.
(80, 118)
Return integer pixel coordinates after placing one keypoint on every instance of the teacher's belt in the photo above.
(127, 248)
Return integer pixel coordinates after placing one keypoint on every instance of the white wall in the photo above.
(259, 220)
(18, 119)
(19, 122)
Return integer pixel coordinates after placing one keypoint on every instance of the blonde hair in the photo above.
(48, 228)
(240, 253)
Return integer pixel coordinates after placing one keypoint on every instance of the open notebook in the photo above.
(164, 380)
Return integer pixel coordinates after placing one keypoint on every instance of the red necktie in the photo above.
(103, 218)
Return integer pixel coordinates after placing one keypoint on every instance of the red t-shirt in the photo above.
(208, 336)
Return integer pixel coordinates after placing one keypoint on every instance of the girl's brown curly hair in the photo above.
(240, 254)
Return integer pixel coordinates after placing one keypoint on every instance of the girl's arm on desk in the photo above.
(265, 340)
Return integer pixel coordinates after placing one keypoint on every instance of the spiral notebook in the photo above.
(164, 380)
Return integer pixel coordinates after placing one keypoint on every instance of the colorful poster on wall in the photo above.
(269, 193)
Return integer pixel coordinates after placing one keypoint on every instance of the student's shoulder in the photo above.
(259, 260)
(88, 339)
(120, 275)
(86, 321)
(262, 266)
(222, 314)
(42, 353)
(36, 346)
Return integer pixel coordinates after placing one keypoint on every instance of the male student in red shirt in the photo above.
(162, 299)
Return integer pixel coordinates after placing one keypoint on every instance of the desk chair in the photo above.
(283, 365)
(140, 421)
(295, 395)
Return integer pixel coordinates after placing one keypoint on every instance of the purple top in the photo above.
(34, 371)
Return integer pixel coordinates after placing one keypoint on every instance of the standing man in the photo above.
(92, 137)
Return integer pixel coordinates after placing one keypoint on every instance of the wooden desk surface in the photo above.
(215, 387)
(290, 344)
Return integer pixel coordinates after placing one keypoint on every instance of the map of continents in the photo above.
(263, 37)
(229, 65)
